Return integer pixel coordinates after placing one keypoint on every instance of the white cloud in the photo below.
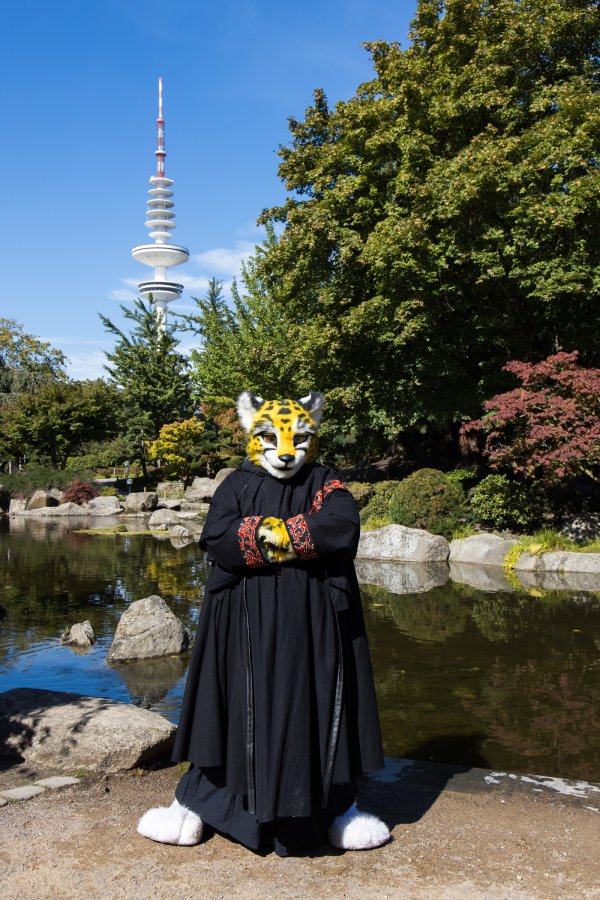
(225, 260)
(122, 295)
(87, 365)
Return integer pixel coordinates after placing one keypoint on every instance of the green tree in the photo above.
(177, 447)
(244, 345)
(148, 368)
(25, 361)
(57, 421)
(440, 223)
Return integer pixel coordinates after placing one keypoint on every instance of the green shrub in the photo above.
(376, 513)
(108, 491)
(500, 502)
(428, 499)
(361, 492)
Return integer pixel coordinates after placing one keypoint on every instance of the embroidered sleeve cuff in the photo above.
(248, 544)
(300, 537)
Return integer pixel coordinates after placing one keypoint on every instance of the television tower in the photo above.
(160, 255)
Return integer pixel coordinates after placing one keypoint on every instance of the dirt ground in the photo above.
(451, 839)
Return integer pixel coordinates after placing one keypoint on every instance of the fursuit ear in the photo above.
(247, 406)
(313, 404)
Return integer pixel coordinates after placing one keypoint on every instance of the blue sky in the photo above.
(79, 103)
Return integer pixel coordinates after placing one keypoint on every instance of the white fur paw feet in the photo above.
(356, 830)
(171, 825)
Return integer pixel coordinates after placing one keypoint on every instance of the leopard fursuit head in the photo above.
(283, 433)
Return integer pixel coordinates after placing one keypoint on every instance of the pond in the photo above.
(502, 679)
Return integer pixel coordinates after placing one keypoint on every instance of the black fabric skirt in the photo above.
(204, 792)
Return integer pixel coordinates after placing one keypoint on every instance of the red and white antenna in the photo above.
(160, 123)
(161, 255)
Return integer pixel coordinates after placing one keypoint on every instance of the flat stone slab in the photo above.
(22, 793)
(62, 732)
(481, 549)
(402, 544)
(55, 782)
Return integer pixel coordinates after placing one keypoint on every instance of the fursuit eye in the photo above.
(300, 439)
(269, 438)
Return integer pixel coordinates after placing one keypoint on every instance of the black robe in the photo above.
(279, 713)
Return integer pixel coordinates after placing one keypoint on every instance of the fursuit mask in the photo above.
(283, 433)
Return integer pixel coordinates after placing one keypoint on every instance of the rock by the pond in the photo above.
(64, 509)
(181, 533)
(201, 489)
(560, 561)
(163, 517)
(147, 629)
(65, 732)
(42, 499)
(141, 501)
(169, 504)
(79, 635)
(17, 506)
(104, 506)
(402, 577)
(222, 475)
(401, 543)
(170, 490)
(481, 549)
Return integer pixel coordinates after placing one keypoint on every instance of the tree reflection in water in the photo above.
(504, 680)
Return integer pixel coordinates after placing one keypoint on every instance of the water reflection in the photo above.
(506, 681)
(468, 672)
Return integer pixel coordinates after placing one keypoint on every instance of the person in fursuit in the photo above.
(279, 714)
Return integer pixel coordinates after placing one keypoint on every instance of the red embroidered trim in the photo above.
(300, 537)
(322, 495)
(247, 541)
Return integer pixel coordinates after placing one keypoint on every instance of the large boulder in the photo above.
(401, 543)
(201, 490)
(402, 577)
(104, 506)
(17, 506)
(41, 499)
(65, 732)
(163, 518)
(79, 635)
(51, 512)
(147, 629)
(481, 549)
(141, 501)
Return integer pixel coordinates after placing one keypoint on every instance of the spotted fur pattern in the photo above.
(282, 433)
(274, 540)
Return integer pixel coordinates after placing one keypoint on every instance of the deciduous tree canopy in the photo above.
(440, 223)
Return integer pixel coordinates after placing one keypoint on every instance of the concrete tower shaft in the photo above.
(160, 255)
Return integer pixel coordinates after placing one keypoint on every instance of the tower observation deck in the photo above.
(160, 255)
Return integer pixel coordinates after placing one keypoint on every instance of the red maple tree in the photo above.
(548, 428)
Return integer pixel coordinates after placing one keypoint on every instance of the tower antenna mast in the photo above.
(160, 255)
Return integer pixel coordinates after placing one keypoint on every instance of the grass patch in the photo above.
(116, 529)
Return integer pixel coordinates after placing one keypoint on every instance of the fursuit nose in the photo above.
(287, 458)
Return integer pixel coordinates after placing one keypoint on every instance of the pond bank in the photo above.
(456, 834)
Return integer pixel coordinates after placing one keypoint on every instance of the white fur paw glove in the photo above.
(275, 541)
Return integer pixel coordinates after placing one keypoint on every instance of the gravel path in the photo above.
(453, 837)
